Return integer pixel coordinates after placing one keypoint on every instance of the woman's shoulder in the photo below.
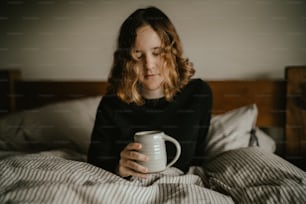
(110, 101)
(198, 85)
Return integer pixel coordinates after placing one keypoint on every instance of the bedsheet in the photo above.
(246, 175)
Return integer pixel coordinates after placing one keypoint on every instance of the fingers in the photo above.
(130, 152)
(131, 168)
(133, 146)
(128, 165)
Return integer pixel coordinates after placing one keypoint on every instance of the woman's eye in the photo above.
(156, 53)
(138, 55)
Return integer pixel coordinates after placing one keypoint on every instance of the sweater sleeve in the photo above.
(206, 108)
(102, 150)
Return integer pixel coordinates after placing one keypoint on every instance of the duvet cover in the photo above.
(245, 175)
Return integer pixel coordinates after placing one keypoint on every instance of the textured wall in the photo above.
(225, 39)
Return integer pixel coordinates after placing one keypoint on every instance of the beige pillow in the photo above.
(265, 141)
(61, 125)
(232, 130)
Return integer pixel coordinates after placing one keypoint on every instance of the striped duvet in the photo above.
(245, 175)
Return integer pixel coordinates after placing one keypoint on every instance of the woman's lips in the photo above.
(150, 75)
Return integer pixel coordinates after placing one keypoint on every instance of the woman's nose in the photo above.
(149, 62)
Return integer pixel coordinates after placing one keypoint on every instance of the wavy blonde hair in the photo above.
(124, 76)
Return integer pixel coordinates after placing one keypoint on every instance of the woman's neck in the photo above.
(152, 94)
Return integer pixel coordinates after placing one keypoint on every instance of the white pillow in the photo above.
(265, 141)
(232, 130)
(61, 125)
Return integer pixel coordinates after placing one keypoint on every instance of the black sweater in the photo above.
(186, 118)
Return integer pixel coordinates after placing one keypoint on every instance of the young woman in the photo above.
(150, 88)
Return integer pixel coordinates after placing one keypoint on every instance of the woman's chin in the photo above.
(152, 87)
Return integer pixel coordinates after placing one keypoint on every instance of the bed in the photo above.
(45, 129)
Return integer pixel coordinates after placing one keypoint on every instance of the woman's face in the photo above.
(148, 51)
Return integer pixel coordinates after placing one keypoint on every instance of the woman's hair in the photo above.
(124, 76)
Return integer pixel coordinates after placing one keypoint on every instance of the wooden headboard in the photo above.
(281, 103)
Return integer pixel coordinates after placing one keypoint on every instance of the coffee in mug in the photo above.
(153, 145)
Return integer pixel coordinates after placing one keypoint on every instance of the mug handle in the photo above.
(178, 149)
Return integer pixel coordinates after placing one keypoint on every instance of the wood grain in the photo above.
(8, 80)
(269, 96)
(31, 94)
(295, 128)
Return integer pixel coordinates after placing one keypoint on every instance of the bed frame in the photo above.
(281, 103)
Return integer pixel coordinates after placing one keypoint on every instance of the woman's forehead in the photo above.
(147, 38)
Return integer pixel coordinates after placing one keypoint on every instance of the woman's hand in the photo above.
(128, 165)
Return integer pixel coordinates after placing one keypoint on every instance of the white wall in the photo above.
(224, 38)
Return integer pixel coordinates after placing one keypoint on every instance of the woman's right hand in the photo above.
(128, 165)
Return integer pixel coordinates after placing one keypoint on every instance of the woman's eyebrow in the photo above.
(154, 49)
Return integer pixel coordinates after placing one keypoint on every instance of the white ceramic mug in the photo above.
(153, 145)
